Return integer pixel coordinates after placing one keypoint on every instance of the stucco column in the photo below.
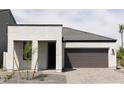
(112, 58)
(63, 54)
(9, 56)
(59, 55)
(34, 55)
(18, 53)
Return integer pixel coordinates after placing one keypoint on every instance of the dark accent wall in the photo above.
(6, 18)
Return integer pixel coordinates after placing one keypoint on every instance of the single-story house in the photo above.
(57, 47)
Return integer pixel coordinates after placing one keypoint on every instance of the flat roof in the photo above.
(34, 25)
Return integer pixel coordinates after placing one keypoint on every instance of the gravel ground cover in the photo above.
(39, 78)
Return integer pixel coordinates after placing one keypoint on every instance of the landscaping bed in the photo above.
(39, 78)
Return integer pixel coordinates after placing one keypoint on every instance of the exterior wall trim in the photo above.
(34, 24)
(100, 41)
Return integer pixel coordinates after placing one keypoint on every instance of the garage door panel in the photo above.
(86, 58)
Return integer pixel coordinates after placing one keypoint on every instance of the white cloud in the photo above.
(103, 22)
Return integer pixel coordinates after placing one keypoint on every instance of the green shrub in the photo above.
(40, 77)
(7, 77)
(122, 63)
(120, 57)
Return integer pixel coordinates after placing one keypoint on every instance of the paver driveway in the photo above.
(94, 76)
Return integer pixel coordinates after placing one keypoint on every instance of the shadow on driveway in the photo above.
(69, 69)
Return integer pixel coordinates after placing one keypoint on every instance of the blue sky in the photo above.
(103, 22)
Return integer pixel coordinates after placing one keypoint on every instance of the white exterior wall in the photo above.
(42, 55)
(110, 46)
(34, 34)
(18, 54)
(63, 54)
(34, 54)
(58, 55)
(9, 62)
(43, 33)
(18, 57)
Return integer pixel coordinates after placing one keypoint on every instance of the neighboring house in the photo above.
(58, 47)
(6, 17)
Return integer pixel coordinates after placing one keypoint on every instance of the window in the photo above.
(27, 50)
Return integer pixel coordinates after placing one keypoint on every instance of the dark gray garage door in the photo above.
(87, 58)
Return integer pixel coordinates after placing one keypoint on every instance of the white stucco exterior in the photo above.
(42, 55)
(34, 34)
(40, 36)
(18, 55)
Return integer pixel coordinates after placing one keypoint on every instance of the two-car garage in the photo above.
(86, 58)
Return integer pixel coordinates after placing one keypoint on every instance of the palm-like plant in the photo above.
(121, 29)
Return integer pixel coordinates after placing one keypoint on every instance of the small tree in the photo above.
(27, 54)
(121, 29)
